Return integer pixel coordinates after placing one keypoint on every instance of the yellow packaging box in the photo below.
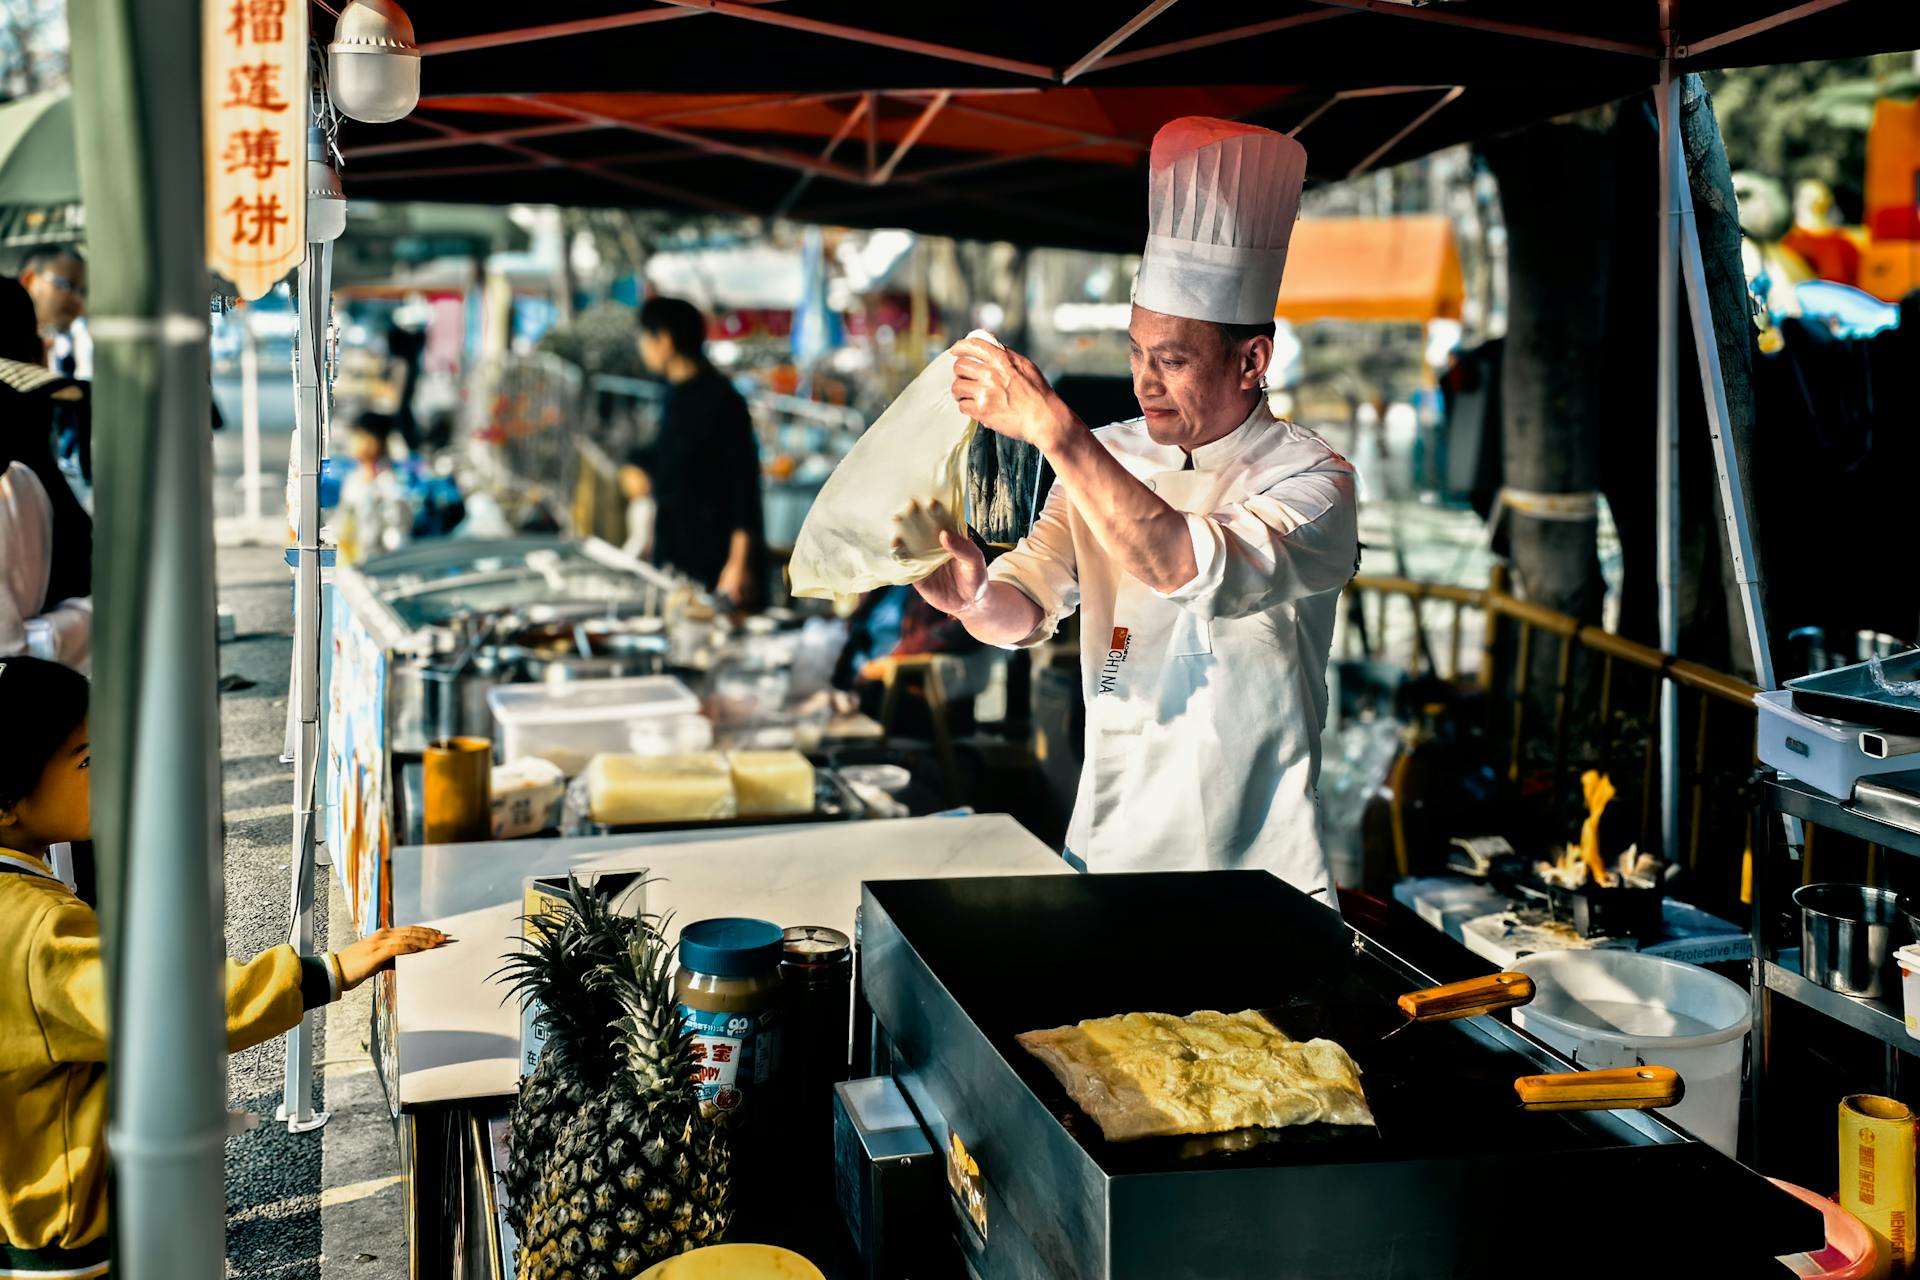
(626, 890)
(1877, 1176)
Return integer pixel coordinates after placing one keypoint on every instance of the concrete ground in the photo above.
(326, 1205)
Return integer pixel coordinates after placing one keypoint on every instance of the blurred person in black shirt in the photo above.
(703, 470)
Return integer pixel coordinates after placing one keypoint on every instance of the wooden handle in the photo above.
(1622, 1089)
(1467, 999)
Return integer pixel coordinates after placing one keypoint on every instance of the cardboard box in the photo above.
(543, 894)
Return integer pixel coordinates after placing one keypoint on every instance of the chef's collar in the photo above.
(13, 860)
(1220, 452)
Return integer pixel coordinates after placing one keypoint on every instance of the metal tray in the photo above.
(832, 802)
(1849, 693)
(1892, 798)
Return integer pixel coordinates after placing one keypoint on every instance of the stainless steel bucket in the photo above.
(1848, 934)
(454, 698)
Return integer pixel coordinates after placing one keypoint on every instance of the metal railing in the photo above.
(1711, 694)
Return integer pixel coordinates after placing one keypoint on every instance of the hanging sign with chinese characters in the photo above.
(256, 139)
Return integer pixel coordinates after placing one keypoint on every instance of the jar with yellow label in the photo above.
(730, 999)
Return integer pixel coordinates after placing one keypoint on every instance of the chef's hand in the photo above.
(1005, 392)
(375, 952)
(956, 585)
(732, 582)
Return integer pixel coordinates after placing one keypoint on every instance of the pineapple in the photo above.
(563, 955)
(634, 1173)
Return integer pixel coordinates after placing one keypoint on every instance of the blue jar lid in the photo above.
(731, 947)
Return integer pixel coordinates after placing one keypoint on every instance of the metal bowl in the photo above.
(1848, 934)
(551, 651)
(1910, 908)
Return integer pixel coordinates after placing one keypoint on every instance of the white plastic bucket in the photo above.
(1603, 1009)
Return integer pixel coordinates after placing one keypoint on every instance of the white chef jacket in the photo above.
(59, 631)
(1204, 704)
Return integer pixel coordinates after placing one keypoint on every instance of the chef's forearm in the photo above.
(1005, 615)
(1144, 536)
(737, 550)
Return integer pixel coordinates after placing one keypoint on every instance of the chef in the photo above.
(1205, 543)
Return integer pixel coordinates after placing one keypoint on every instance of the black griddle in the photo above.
(1455, 1180)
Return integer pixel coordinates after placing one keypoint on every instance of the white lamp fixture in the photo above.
(326, 202)
(373, 68)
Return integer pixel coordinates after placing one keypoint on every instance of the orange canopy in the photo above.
(1392, 269)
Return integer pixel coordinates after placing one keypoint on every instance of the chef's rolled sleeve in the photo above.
(1296, 539)
(1042, 566)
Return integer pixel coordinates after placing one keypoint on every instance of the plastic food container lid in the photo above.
(811, 944)
(731, 946)
(583, 701)
(735, 1262)
(1908, 957)
(887, 777)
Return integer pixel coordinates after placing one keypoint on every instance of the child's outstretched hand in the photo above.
(376, 951)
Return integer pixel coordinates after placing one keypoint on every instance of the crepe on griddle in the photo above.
(1151, 1075)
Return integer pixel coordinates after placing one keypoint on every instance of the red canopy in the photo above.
(1003, 120)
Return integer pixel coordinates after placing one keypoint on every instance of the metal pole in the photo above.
(310, 424)
(1733, 496)
(249, 420)
(1673, 179)
(136, 72)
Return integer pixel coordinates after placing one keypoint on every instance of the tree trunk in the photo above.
(1554, 185)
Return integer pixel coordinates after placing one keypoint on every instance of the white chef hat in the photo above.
(1221, 201)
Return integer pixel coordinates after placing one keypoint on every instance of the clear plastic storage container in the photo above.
(571, 723)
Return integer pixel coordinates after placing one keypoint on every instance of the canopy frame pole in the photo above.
(921, 124)
(310, 427)
(597, 168)
(856, 35)
(861, 107)
(1008, 117)
(873, 130)
(757, 104)
(491, 137)
(1726, 459)
(1126, 32)
(1494, 26)
(934, 172)
(781, 159)
(1313, 115)
(1673, 178)
(1772, 22)
(1189, 45)
(554, 31)
(1412, 127)
(138, 129)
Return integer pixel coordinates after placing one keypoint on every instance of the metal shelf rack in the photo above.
(1779, 975)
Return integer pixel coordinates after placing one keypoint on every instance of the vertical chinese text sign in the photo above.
(256, 112)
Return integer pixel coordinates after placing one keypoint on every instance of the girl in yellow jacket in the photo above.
(53, 1006)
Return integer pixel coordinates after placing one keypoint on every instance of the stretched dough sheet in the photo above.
(1153, 1075)
(915, 452)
